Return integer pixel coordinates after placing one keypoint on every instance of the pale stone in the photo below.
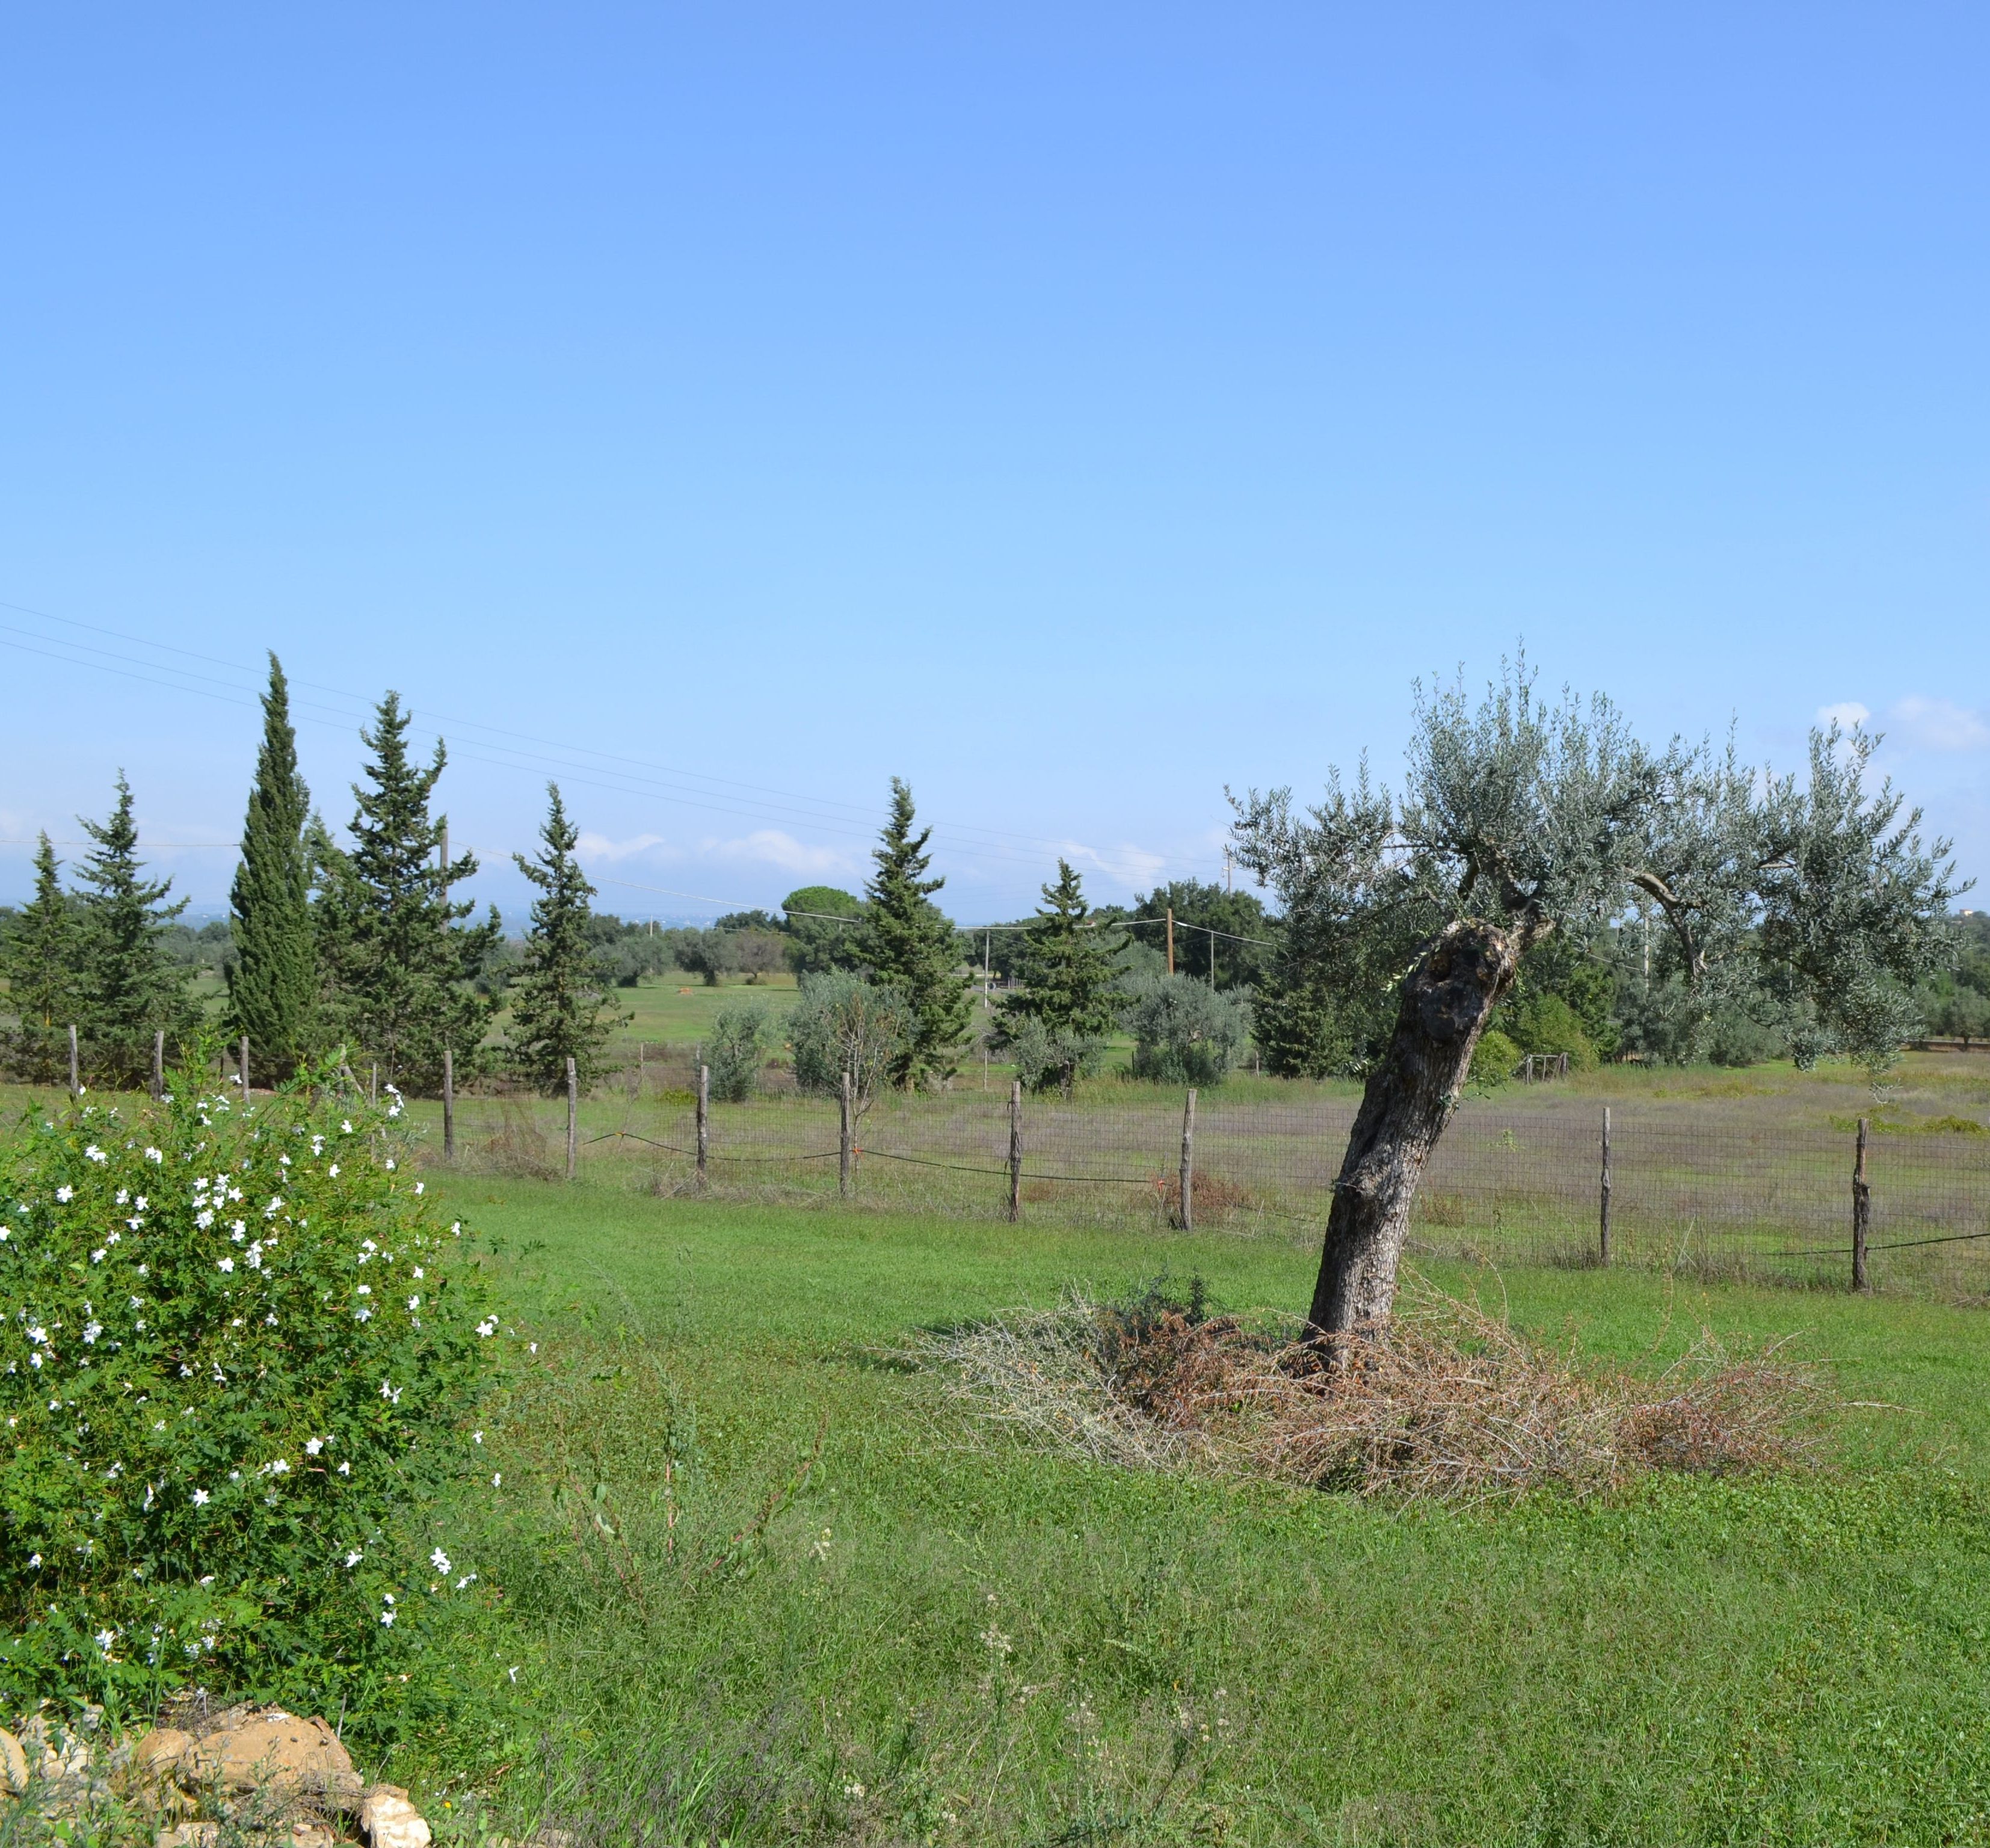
(189, 1835)
(13, 1764)
(273, 1751)
(389, 1820)
(161, 1750)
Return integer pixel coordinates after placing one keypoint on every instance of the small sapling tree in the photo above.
(131, 985)
(1059, 1019)
(909, 944)
(737, 1050)
(38, 958)
(561, 1009)
(1184, 1031)
(273, 982)
(845, 1024)
(1521, 818)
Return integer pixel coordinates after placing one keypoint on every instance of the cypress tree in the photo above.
(1067, 976)
(273, 984)
(397, 970)
(560, 1006)
(908, 942)
(131, 987)
(40, 965)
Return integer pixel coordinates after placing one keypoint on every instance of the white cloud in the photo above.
(1845, 714)
(599, 847)
(770, 847)
(1131, 867)
(1936, 724)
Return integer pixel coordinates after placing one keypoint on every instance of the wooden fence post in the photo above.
(1186, 1202)
(242, 1055)
(448, 1104)
(158, 1066)
(704, 1121)
(1603, 1228)
(1862, 1212)
(1015, 1150)
(75, 1067)
(572, 1118)
(843, 1142)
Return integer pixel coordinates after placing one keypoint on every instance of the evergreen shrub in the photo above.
(1184, 1031)
(736, 1051)
(238, 1355)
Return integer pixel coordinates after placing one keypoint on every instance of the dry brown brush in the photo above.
(1444, 1400)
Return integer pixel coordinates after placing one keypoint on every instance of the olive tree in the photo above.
(1520, 818)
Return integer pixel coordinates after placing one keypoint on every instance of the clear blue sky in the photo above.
(1071, 410)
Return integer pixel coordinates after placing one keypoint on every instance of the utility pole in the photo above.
(1226, 869)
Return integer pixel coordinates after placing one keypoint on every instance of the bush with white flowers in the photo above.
(237, 1351)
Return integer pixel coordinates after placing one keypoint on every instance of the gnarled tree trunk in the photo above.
(1447, 998)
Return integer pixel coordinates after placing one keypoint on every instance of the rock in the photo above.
(161, 1750)
(275, 1751)
(312, 1835)
(13, 1764)
(389, 1820)
(189, 1835)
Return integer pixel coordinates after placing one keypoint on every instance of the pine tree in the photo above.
(398, 974)
(40, 965)
(560, 1006)
(908, 942)
(131, 986)
(273, 984)
(1068, 975)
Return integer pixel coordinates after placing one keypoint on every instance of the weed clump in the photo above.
(1444, 1401)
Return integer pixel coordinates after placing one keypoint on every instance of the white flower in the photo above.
(90, 1331)
(421, 1186)
(65, 1195)
(6, 1232)
(347, 1125)
(280, 1467)
(124, 1197)
(274, 1207)
(35, 1360)
(313, 1445)
(98, 1256)
(105, 1637)
(141, 1203)
(387, 1617)
(37, 1334)
(364, 1290)
(414, 1303)
(362, 1313)
(853, 1790)
(456, 1229)
(154, 1155)
(345, 1468)
(238, 1232)
(201, 1498)
(333, 1170)
(418, 1273)
(391, 1393)
(477, 1437)
(34, 1559)
(488, 1326)
(390, 1159)
(353, 1559)
(203, 1219)
(226, 1264)
(95, 1154)
(439, 1560)
(255, 1257)
(498, 1481)
(514, 1677)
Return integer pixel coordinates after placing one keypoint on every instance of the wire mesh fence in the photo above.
(1746, 1188)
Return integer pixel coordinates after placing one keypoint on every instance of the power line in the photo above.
(641, 771)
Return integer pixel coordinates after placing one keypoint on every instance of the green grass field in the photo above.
(947, 1637)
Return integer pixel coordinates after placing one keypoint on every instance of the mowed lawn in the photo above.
(949, 1635)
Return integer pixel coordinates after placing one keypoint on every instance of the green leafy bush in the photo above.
(1184, 1031)
(237, 1352)
(842, 1024)
(736, 1051)
(1494, 1059)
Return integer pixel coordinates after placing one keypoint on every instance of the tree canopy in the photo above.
(909, 944)
(1522, 818)
(1067, 996)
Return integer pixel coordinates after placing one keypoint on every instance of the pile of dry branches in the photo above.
(1443, 1400)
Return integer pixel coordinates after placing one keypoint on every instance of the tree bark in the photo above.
(1447, 998)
